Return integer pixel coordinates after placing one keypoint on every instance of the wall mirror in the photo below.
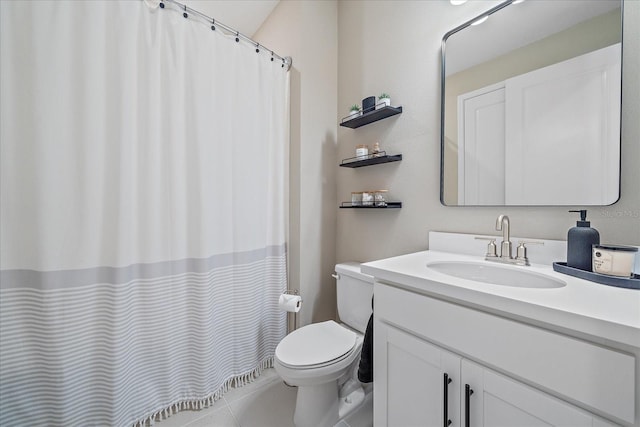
(531, 98)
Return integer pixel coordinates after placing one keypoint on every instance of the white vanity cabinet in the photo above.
(499, 372)
(497, 400)
(422, 385)
(414, 376)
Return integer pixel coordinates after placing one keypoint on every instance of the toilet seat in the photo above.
(316, 345)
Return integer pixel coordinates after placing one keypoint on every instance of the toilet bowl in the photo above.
(318, 359)
(322, 359)
(317, 353)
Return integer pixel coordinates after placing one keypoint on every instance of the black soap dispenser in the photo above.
(579, 241)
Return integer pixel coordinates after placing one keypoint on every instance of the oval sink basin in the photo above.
(496, 275)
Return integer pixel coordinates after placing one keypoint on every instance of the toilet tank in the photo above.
(354, 291)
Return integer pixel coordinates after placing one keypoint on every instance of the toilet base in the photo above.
(317, 405)
(348, 403)
(361, 415)
(324, 407)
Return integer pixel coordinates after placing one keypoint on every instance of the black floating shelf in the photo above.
(371, 159)
(370, 117)
(390, 205)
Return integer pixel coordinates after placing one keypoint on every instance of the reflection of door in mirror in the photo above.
(481, 148)
(564, 116)
(555, 119)
(563, 128)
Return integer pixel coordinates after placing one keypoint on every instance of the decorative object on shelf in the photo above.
(368, 104)
(354, 111)
(380, 198)
(370, 199)
(362, 151)
(370, 117)
(367, 198)
(384, 100)
(371, 159)
(376, 150)
(356, 198)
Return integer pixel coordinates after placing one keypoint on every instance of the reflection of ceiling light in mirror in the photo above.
(457, 2)
(480, 20)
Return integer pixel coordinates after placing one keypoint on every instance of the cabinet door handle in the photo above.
(447, 381)
(467, 394)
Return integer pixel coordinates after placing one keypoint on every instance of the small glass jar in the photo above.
(380, 198)
(362, 151)
(356, 198)
(368, 198)
(376, 150)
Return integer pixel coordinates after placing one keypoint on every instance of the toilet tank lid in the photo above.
(352, 269)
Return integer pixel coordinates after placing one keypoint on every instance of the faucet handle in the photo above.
(491, 246)
(521, 251)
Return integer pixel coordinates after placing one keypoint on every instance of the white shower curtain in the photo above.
(143, 207)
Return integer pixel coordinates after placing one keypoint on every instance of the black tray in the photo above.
(620, 282)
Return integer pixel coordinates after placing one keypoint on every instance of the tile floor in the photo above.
(266, 402)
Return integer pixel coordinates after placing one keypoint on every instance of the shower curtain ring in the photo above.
(237, 38)
(271, 56)
(213, 24)
(161, 5)
(185, 12)
(257, 47)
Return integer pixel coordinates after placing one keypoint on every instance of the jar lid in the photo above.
(616, 248)
(382, 191)
(362, 146)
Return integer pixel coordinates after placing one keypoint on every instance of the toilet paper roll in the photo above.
(291, 303)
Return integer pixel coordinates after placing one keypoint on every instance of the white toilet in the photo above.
(322, 358)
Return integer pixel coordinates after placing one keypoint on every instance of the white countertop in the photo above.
(607, 312)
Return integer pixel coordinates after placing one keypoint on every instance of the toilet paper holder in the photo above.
(295, 314)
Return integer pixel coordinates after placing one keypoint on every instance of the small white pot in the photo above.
(383, 102)
(354, 114)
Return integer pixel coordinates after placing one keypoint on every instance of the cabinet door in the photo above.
(498, 401)
(409, 381)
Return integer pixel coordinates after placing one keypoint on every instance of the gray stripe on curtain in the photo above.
(118, 355)
(50, 280)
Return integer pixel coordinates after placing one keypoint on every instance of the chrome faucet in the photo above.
(506, 252)
(502, 224)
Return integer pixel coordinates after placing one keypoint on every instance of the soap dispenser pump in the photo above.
(579, 243)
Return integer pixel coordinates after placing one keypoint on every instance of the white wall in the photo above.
(307, 31)
(394, 47)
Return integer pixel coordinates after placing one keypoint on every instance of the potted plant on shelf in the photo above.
(354, 111)
(384, 100)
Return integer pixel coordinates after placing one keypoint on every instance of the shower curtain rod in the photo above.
(287, 61)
